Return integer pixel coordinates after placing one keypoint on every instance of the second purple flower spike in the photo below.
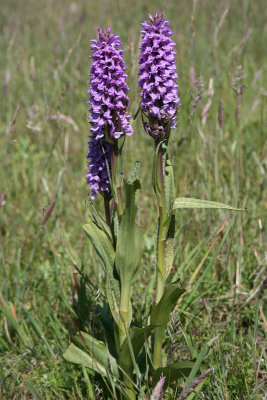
(109, 102)
(157, 76)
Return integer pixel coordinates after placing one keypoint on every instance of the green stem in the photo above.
(157, 353)
(160, 176)
(160, 257)
(161, 273)
(162, 218)
(124, 311)
(159, 333)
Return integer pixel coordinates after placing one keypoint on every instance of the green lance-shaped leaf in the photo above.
(99, 351)
(169, 189)
(104, 249)
(129, 240)
(101, 244)
(94, 356)
(138, 336)
(77, 356)
(186, 202)
(160, 316)
(161, 312)
(128, 252)
(166, 229)
(169, 247)
(98, 220)
(172, 372)
(113, 296)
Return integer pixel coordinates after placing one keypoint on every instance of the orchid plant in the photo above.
(116, 238)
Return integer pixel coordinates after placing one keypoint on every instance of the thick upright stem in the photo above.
(159, 334)
(160, 175)
(157, 353)
(160, 258)
(162, 218)
(161, 273)
(124, 311)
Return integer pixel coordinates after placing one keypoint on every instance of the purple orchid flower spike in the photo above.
(108, 112)
(157, 77)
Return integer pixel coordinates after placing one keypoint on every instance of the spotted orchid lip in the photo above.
(108, 102)
(157, 71)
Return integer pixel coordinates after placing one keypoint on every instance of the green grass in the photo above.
(43, 67)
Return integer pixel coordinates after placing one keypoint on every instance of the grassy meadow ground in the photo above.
(220, 256)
